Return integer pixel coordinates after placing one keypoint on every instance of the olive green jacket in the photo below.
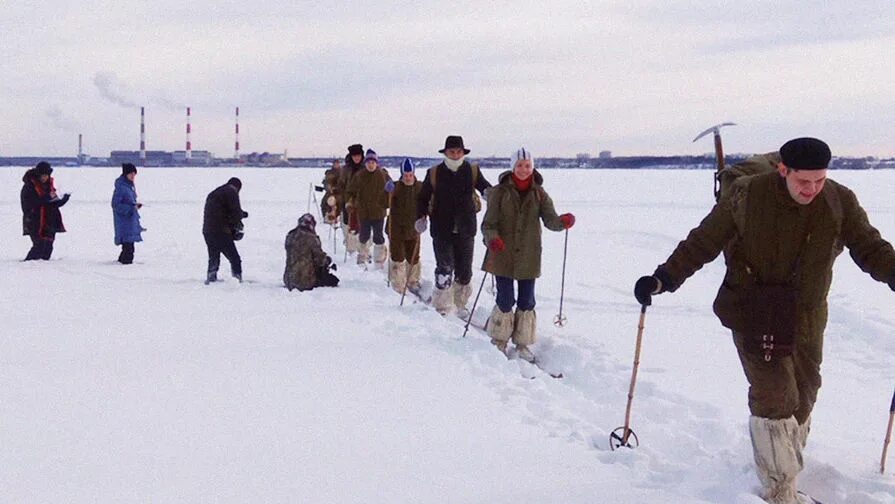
(514, 217)
(402, 211)
(366, 192)
(771, 239)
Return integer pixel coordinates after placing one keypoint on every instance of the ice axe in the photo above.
(719, 152)
(882, 462)
(622, 436)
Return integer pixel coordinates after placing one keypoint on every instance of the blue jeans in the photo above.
(506, 297)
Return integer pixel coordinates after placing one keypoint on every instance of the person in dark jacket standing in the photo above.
(354, 162)
(366, 197)
(404, 241)
(41, 218)
(511, 229)
(221, 226)
(781, 232)
(126, 213)
(447, 196)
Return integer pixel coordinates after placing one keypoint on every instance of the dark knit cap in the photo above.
(805, 154)
(128, 168)
(355, 149)
(43, 168)
(235, 182)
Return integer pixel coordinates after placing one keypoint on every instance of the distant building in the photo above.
(582, 156)
(605, 154)
(153, 158)
(198, 158)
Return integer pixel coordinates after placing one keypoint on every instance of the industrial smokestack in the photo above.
(236, 155)
(189, 145)
(80, 149)
(142, 137)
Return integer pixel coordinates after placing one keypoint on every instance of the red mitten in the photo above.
(568, 220)
(497, 245)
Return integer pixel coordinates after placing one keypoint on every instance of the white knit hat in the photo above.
(519, 154)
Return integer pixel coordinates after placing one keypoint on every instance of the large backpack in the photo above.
(476, 200)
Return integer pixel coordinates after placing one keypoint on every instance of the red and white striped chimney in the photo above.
(189, 145)
(236, 155)
(142, 137)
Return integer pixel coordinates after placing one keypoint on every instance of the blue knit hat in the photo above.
(407, 166)
(371, 156)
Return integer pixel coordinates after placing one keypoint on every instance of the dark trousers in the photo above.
(41, 248)
(127, 253)
(374, 227)
(506, 298)
(453, 260)
(402, 250)
(222, 243)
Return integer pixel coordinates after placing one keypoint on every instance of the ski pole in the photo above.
(310, 191)
(474, 303)
(882, 463)
(560, 320)
(616, 440)
(416, 249)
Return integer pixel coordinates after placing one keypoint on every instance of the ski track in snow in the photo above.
(689, 406)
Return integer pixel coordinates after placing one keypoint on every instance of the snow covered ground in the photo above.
(140, 384)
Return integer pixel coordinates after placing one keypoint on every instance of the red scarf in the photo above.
(522, 185)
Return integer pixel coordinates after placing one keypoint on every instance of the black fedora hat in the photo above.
(454, 142)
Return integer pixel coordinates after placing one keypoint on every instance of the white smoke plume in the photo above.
(112, 89)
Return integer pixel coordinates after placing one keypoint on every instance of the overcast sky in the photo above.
(559, 77)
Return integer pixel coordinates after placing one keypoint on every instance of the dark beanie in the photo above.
(355, 149)
(235, 182)
(43, 168)
(805, 154)
(128, 168)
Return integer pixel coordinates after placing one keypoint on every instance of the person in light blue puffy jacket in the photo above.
(126, 211)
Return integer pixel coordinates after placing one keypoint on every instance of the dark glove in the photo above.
(334, 266)
(497, 245)
(568, 220)
(64, 199)
(644, 289)
(245, 215)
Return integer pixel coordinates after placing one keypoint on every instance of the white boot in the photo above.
(500, 327)
(413, 277)
(804, 429)
(461, 297)
(443, 300)
(524, 333)
(363, 252)
(778, 457)
(351, 240)
(380, 254)
(397, 275)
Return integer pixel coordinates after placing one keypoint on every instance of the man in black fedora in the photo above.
(448, 197)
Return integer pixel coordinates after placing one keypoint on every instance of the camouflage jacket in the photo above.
(304, 256)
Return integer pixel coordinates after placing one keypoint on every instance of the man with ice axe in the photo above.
(781, 232)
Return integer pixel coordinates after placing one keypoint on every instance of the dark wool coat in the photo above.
(366, 193)
(125, 215)
(516, 218)
(223, 213)
(454, 208)
(40, 210)
(766, 233)
(402, 211)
